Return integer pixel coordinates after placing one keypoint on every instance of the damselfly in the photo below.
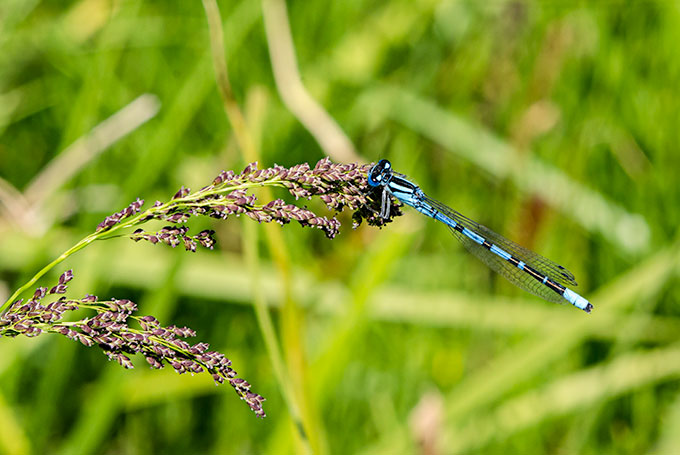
(522, 267)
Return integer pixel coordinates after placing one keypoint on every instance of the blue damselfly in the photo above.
(522, 267)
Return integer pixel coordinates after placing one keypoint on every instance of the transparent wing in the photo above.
(516, 276)
(543, 265)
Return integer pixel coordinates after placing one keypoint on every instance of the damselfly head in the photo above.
(379, 173)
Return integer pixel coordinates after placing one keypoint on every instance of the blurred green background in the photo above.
(553, 123)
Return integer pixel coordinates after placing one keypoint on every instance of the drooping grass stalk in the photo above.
(109, 330)
(337, 185)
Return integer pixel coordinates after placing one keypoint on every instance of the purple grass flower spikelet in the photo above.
(109, 330)
(206, 238)
(116, 218)
(182, 192)
(39, 293)
(66, 277)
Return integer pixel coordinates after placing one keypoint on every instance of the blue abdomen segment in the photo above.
(577, 300)
(504, 254)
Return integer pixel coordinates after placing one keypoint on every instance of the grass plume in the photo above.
(229, 194)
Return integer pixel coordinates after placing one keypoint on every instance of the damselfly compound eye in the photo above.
(376, 174)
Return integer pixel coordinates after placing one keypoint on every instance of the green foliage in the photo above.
(553, 123)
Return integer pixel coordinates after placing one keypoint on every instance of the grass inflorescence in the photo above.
(109, 330)
(337, 185)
